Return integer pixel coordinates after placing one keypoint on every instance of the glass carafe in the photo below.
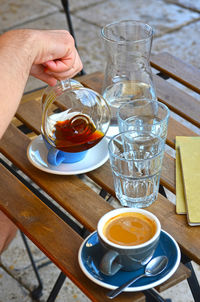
(74, 118)
(128, 73)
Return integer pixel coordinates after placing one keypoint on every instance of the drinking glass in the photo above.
(144, 114)
(128, 74)
(136, 162)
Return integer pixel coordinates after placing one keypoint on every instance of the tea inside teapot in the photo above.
(74, 118)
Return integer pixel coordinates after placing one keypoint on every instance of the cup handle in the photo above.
(108, 266)
(55, 157)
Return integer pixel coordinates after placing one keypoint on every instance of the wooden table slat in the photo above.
(30, 113)
(176, 278)
(93, 81)
(177, 100)
(175, 68)
(175, 128)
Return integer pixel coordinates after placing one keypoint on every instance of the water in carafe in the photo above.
(124, 91)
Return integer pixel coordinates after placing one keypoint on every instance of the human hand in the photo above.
(56, 57)
(49, 55)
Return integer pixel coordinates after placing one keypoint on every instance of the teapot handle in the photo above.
(66, 84)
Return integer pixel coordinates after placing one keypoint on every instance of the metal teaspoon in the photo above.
(153, 268)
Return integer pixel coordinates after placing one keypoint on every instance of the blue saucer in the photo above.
(89, 258)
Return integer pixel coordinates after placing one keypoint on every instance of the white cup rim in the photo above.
(116, 212)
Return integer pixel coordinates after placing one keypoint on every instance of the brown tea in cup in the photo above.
(129, 229)
(76, 134)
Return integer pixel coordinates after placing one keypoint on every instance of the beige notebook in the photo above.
(180, 196)
(190, 163)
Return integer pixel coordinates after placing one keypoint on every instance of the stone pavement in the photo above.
(176, 25)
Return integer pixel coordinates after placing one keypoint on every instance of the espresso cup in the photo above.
(129, 238)
(56, 157)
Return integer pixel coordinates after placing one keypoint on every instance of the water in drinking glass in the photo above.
(136, 162)
(144, 114)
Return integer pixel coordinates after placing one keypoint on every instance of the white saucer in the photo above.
(95, 157)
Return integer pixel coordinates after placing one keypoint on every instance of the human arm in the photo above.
(46, 54)
(7, 232)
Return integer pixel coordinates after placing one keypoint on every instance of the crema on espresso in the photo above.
(129, 229)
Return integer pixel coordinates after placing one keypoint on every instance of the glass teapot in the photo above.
(74, 118)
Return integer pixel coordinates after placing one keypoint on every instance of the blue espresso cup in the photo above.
(56, 157)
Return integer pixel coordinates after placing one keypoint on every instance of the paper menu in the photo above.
(189, 151)
(180, 196)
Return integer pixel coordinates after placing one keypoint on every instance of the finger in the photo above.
(78, 66)
(64, 75)
(38, 72)
(50, 80)
(65, 63)
(57, 66)
(62, 64)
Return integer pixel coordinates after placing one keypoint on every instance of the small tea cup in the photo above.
(129, 238)
(56, 157)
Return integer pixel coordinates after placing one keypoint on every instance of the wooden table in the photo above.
(46, 226)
